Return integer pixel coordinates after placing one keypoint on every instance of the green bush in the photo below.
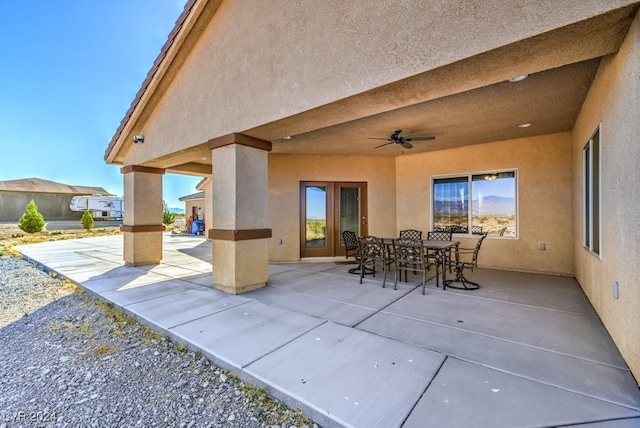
(31, 221)
(87, 220)
(168, 218)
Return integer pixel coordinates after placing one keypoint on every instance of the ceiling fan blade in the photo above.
(374, 138)
(425, 138)
(406, 145)
(403, 133)
(385, 144)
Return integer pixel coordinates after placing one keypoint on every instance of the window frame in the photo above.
(469, 179)
(592, 193)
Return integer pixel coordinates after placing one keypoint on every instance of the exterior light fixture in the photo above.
(138, 139)
(518, 78)
(524, 125)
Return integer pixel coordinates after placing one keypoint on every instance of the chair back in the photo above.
(410, 234)
(350, 240)
(476, 250)
(371, 247)
(408, 252)
(440, 235)
(476, 230)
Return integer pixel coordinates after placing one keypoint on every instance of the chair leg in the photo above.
(461, 279)
(384, 270)
(395, 283)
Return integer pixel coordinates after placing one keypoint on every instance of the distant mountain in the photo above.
(496, 205)
(489, 205)
(176, 210)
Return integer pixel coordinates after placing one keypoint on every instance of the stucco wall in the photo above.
(51, 206)
(199, 206)
(614, 101)
(258, 62)
(543, 166)
(287, 171)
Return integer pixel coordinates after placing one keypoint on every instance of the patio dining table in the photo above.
(439, 249)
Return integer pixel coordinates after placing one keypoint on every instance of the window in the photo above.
(476, 203)
(591, 179)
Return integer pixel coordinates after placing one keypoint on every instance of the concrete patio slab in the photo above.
(121, 277)
(544, 366)
(535, 337)
(562, 293)
(464, 395)
(176, 309)
(370, 294)
(351, 377)
(242, 334)
(526, 324)
(134, 293)
(337, 312)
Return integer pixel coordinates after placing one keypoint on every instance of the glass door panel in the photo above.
(326, 210)
(316, 217)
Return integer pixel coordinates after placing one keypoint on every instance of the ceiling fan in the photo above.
(402, 137)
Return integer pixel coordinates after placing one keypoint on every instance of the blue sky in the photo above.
(69, 70)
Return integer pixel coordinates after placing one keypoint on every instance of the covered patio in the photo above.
(523, 350)
(268, 104)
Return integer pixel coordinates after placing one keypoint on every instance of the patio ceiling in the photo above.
(464, 103)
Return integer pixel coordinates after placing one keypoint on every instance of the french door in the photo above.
(327, 209)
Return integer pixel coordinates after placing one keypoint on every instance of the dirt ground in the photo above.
(10, 233)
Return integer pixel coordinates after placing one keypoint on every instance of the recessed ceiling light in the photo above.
(518, 78)
(524, 125)
(288, 137)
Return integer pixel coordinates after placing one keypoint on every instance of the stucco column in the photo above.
(142, 226)
(240, 213)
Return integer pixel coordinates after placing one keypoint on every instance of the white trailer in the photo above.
(101, 207)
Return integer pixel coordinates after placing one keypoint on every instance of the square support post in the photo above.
(240, 230)
(142, 226)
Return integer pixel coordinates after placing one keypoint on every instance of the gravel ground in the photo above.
(68, 360)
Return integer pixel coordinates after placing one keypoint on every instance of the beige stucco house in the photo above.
(194, 203)
(278, 104)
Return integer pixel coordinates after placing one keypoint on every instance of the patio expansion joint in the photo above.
(604, 400)
(307, 273)
(382, 310)
(471, 296)
(206, 315)
(284, 344)
(526, 345)
(435, 375)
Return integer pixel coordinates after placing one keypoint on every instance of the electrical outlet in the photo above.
(542, 246)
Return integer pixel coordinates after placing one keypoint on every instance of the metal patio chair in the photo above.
(410, 234)
(440, 235)
(411, 256)
(352, 247)
(465, 258)
(372, 253)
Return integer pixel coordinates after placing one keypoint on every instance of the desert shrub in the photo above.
(168, 217)
(87, 220)
(31, 221)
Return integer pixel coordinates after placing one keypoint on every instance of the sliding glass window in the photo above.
(591, 181)
(476, 203)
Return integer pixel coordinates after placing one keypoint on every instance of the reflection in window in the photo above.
(491, 208)
(316, 221)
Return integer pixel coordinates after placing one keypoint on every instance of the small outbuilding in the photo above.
(52, 198)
